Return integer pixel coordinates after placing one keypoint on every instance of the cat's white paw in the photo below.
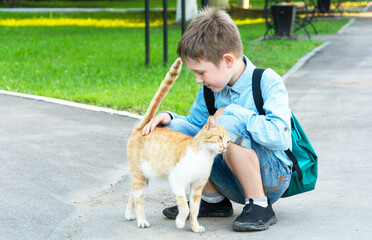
(143, 224)
(180, 223)
(130, 215)
(198, 229)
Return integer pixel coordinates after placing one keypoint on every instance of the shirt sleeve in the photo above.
(273, 129)
(198, 113)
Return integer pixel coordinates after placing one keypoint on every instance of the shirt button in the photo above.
(285, 129)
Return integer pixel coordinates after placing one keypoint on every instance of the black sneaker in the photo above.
(221, 209)
(254, 218)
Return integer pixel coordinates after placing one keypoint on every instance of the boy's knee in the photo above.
(231, 123)
(236, 129)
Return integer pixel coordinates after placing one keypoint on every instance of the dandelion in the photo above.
(249, 21)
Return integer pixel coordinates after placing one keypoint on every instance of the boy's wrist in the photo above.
(170, 114)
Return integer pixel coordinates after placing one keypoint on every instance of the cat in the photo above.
(185, 160)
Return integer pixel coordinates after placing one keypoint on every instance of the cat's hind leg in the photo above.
(195, 196)
(139, 184)
(130, 212)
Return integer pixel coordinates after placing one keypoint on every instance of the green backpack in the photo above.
(303, 156)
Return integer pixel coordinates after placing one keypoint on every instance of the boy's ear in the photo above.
(229, 59)
(211, 123)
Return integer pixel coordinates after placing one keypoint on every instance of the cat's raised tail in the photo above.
(166, 84)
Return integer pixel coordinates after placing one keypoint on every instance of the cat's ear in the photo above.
(211, 123)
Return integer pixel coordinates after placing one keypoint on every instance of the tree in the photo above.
(191, 9)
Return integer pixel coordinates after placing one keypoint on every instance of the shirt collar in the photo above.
(245, 79)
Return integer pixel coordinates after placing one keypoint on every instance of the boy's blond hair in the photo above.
(209, 36)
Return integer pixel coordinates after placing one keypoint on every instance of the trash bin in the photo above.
(324, 6)
(283, 18)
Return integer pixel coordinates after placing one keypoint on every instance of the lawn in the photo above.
(104, 66)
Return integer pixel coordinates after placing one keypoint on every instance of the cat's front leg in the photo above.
(183, 210)
(195, 196)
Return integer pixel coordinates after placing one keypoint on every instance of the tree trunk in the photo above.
(219, 4)
(243, 4)
(190, 11)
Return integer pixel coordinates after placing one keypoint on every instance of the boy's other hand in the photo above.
(162, 118)
(219, 112)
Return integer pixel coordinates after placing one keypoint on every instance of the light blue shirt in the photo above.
(271, 130)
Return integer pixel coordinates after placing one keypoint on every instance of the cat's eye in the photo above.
(219, 137)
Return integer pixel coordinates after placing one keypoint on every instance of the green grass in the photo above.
(330, 26)
(99, 66)
(105, 66)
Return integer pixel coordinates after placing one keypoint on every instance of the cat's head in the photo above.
(215, 136)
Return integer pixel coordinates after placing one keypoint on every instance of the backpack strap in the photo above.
(296, 167)
(256, 88)
(209, 100)
(258, 101)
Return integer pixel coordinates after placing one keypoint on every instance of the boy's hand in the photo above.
(219, 112)
(162, 118)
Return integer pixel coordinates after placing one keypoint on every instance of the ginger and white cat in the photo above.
(186, 161)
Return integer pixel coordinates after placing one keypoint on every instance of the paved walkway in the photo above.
(64, 173)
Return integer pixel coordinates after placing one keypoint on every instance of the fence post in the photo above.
(165, 31)
(183, 18)
(147, 32)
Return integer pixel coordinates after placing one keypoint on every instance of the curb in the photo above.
(303, 60)
(352, 20)
(72, 104)
(307, 57)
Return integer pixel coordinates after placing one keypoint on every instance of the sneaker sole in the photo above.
(205, 214)
(246, 227)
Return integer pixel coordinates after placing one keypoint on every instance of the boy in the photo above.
(255, 171)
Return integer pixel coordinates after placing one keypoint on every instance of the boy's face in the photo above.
(214, 77)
